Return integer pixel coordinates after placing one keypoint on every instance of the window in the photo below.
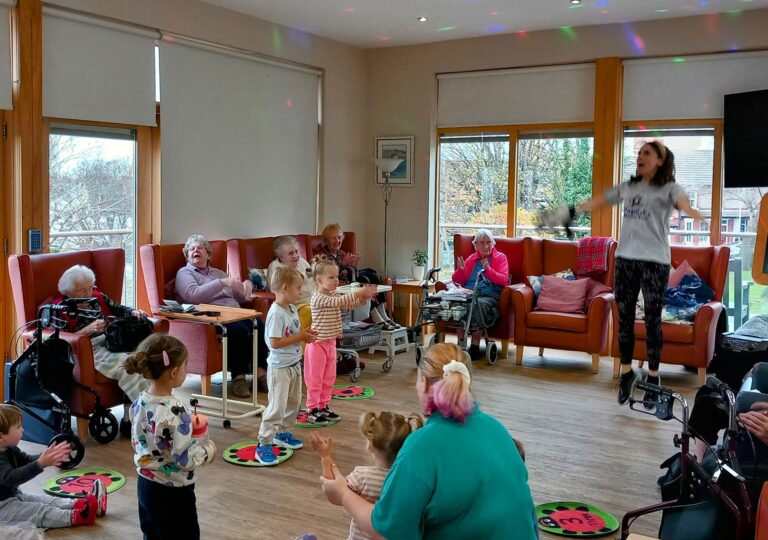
(474, 181)
(553, 169)
(694, 155)
(93, 192)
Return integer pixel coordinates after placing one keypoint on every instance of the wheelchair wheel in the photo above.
(355, 375)
(103, 427)
(78, 450)
(387, 365)
(419, 354)
(491, 352)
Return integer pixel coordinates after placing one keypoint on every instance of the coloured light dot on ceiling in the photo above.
(601, 3)
(494, 13)
(384, 38)
(678, 59)
(662, 10)
(703, 3)
(604, 12)
(350, 10)
(289, 102)
(446, 28)
(422, 19)
(575, 2)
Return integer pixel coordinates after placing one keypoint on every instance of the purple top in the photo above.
(203, 286)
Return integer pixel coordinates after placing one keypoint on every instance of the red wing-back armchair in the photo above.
(587, 332)
(159, 264)
(35, 279)
(503, 330)
(685, 344)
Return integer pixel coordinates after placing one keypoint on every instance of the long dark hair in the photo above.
(666, 171)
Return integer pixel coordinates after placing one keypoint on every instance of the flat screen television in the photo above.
(746, 140)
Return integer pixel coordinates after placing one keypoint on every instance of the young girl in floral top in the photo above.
(167, 455)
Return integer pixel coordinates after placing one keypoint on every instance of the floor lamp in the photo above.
(386, 166)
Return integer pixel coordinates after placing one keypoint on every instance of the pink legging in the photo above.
(319, 372)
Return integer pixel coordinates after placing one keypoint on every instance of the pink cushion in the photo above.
(677, 275)
(563, 295)
(593, 289)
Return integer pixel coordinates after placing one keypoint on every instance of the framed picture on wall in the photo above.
(396, 148)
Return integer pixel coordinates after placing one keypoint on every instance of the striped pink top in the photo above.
(366, 481)
(326, 312)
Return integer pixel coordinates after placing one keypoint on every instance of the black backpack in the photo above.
(125, 334)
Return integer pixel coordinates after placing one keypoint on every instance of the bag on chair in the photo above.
(125, 334)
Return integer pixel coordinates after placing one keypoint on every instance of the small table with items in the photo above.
(214, 406)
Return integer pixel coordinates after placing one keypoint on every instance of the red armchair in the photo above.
(34, 280)
(687, 345)
(503, 330)
(159, 264)
(587, 332)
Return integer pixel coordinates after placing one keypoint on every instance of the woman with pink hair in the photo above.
(460, 476)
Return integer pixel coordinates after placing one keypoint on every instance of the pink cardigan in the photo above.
(497, 272)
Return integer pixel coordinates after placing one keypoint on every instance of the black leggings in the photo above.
(240, 347)
(632, 276)
(165, 512)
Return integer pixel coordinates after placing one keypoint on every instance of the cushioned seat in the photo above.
(568, 322)
(587, 332)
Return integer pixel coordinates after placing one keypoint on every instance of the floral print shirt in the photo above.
(161, 435)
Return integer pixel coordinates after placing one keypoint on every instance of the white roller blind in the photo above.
(6, 101)
(95, 70)
(240, 144)
(691, 86)
(517, 96)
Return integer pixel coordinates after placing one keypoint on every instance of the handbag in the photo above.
(125, 334)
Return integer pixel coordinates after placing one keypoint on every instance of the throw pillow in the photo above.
(562, 295)
(593, 289)
(685, 269)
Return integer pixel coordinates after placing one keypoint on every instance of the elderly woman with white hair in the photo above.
(199, 283)
(288, 253)
(496, 269)
(80, 282)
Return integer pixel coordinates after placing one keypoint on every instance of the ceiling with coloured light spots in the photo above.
(386, 23)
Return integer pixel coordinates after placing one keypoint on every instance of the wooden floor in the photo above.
(581, 445)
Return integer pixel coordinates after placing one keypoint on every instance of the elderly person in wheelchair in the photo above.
(495, 268)
(80, 282)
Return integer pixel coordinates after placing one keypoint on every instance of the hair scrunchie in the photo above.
(454, 366)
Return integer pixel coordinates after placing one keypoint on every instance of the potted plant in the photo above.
(419, 259)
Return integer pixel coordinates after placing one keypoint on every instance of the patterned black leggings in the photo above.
(632, 276)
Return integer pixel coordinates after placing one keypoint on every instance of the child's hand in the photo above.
(320, 444)
(54, 454)
(308, 335)
(210, 451)
(366, 292)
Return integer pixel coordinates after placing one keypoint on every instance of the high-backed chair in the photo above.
(685, 344)
(159, 264)
(34, 281)
(587, 332)
(504, 328)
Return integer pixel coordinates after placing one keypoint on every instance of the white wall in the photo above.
(344, 148)
(402, 95)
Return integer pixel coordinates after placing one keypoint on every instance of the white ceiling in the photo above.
(382, 23)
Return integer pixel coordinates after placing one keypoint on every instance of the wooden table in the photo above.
(213, 406)
(411, 288)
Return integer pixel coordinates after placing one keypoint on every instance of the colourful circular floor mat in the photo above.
(244, 453)
(565, 518)
(302, 422)
(352, 391)
(77, 482)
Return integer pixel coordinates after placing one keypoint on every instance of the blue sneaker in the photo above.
(287, 440)
(265, 455)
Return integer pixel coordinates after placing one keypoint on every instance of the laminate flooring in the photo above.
(580, 445)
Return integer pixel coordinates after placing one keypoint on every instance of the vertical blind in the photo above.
(689, 86)
(517, 96)
(97, 70)
(240, 143)
(6, 101)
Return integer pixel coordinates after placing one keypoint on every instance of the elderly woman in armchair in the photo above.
(496, 269)
(199, 283)
(347, 262)
(80, 282)
(288, 253)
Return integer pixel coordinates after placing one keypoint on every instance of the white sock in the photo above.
(382, 312)
(376, 316)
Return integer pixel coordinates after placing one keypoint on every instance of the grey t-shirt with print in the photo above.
(645, 225)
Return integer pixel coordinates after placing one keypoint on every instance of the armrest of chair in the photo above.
(597, 321)
(598, 305)
(82, 348)
(522, 303)
(705, 332)
(161, 325)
